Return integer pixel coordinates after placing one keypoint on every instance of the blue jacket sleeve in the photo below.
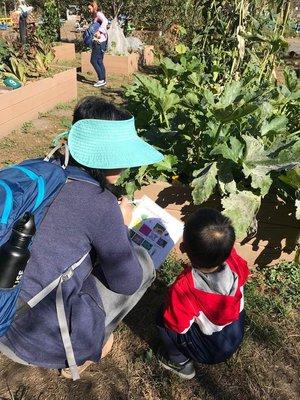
(119, 265)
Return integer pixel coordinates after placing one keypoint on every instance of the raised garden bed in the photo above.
(277, 233)
(148, 55)
(294, 46)
(64, 51)
(115, 65)
(22, 105)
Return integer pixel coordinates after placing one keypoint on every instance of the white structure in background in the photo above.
(23, 7)
(117, 43)
(72, 12)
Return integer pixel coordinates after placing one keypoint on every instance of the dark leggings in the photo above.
(97, 56)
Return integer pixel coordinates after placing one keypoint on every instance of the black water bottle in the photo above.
(14, 254)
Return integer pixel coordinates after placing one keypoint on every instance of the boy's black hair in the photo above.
(208, 238)
(93, 107)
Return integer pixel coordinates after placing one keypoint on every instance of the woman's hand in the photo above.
(126, 209)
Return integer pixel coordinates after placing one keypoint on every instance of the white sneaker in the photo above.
(100, 83)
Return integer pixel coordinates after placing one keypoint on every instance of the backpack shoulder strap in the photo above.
(61, 313)
(73, 173)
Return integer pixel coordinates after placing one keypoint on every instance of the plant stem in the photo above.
(218, 132)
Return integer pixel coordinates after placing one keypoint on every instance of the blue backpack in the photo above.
(32, 186)
(88, 35)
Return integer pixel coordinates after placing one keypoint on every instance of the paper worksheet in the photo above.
(155, 229)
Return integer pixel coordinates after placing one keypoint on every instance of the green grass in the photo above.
(44, 114)
(27, 127)
(170, 269)
(64, 106)
(7, 143)
(65, 122)
(275, 289)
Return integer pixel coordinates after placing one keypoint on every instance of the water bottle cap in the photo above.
(25, 225)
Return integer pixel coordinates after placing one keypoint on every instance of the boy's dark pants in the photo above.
(201, 348)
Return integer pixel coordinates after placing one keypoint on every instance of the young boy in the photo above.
(203, 318)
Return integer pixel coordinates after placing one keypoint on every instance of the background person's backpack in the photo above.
(31, 187)
(88, 35)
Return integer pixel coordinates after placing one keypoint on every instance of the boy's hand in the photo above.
(126, 209)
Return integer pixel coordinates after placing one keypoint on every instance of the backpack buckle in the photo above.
(67, 275)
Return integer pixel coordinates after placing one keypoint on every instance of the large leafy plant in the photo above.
(31, 61)
(224, 123)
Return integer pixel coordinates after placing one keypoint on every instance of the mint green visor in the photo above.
(105, 144)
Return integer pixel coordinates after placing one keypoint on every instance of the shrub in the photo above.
(4, 51)
(218, 114)
(31, 61)
(49, 30)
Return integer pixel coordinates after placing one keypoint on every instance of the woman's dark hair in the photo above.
(93, 107)
(208, 238)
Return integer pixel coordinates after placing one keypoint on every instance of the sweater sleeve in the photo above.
(104, 22)
(118, 262)
(178, 313)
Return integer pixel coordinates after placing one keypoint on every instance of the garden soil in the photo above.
(265, 368)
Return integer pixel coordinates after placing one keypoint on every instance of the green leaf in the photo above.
(292, 178)
(205, 183)
(182, 30)
(277, 124)
(169, 101)
(225, 178)
(241, 208)
(141, 172)
(255, 151)
(181, 48)
(194, 79)
(209, 96)
(167, 164)
(260, 180)
(191, 99)
(170, 68)
(254, 165)
(258, 164)
(290, 78)
(130, 188)
(297, 204)
(290, 157)
(232, 113)
(233, 152)
(230, 93)
(149, 356)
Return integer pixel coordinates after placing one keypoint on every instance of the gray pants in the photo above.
(116, 306)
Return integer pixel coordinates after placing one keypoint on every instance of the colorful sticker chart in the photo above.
(154, 229)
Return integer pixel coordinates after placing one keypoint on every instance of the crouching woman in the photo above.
(85, 218)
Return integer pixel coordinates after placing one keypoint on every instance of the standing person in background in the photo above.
(23, 10)
(99, 42)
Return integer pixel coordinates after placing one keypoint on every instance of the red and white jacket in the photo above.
(211, 311)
